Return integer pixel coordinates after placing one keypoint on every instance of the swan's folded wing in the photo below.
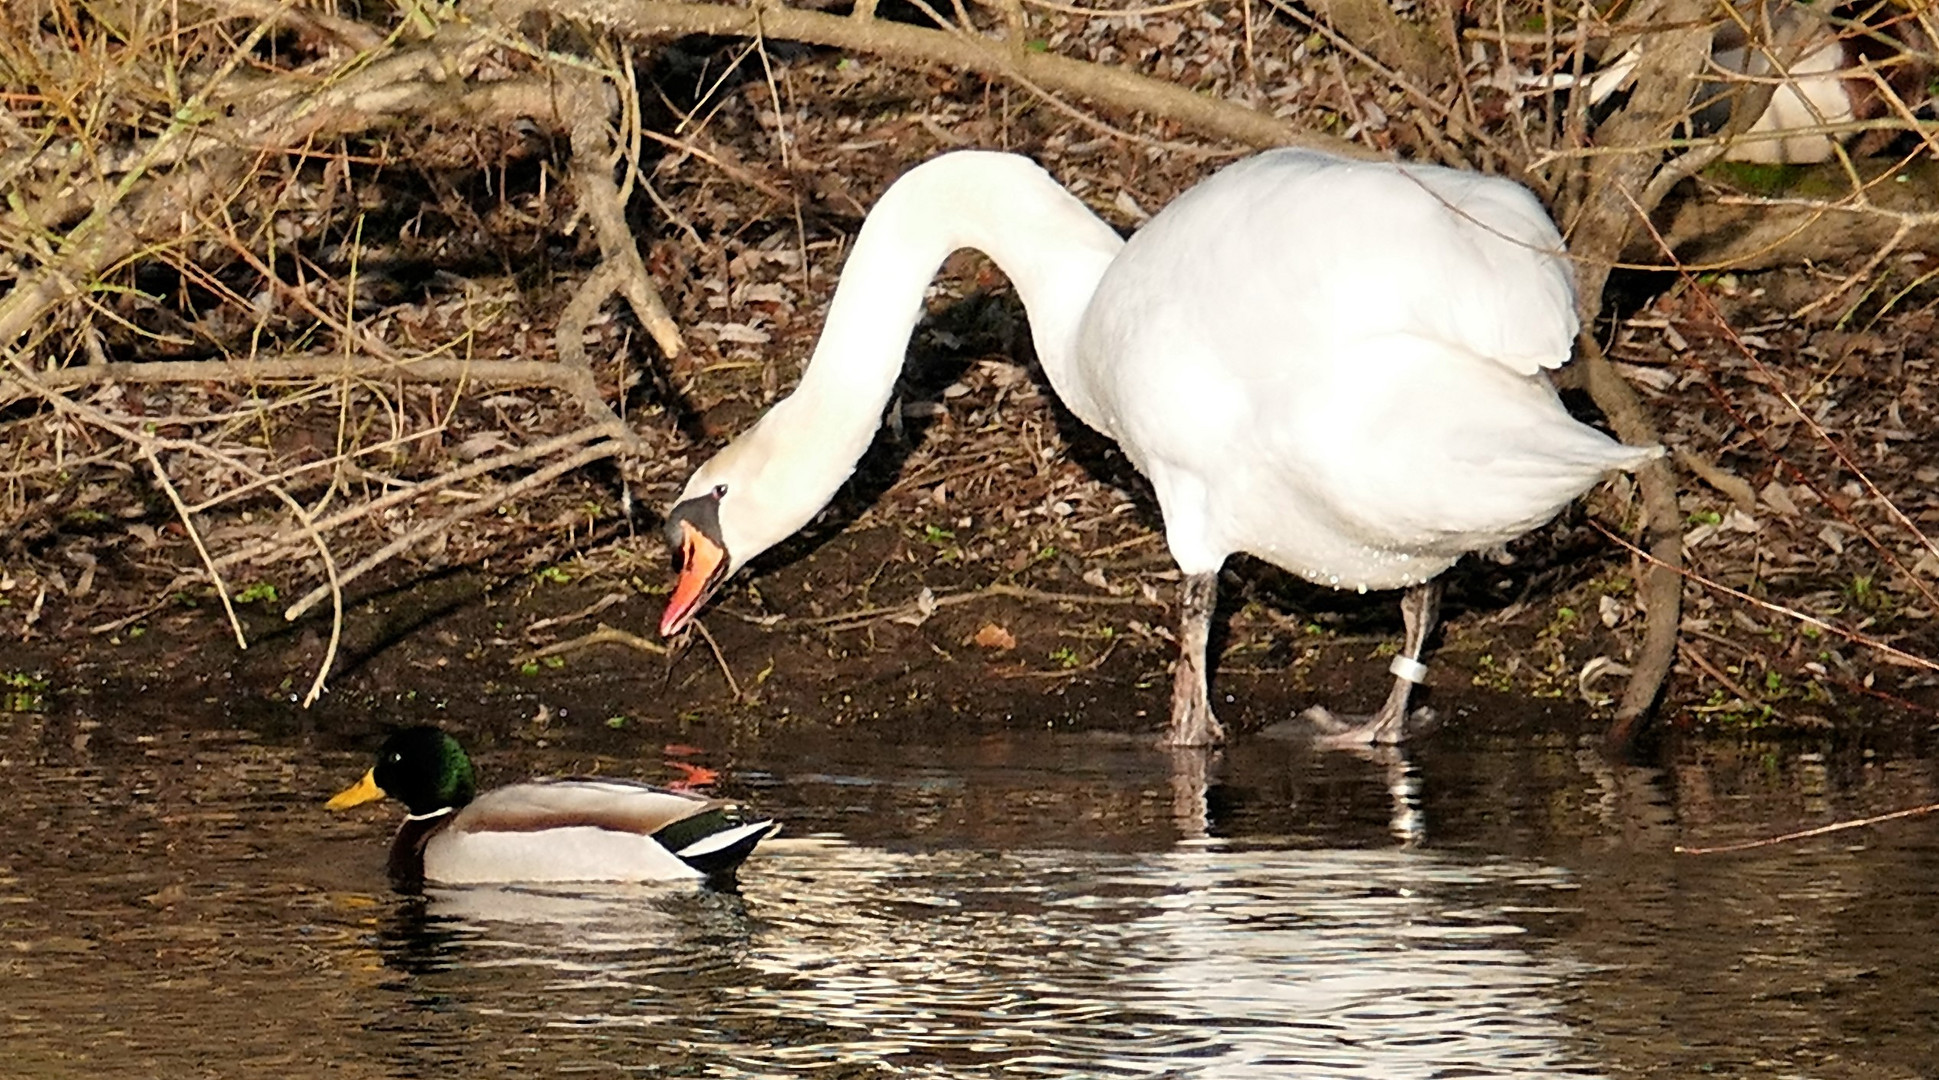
(1493, 278)
(1283, 264)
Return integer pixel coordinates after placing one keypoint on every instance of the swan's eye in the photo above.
(720, 491)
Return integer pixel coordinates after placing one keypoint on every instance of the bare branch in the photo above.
(1112, 86)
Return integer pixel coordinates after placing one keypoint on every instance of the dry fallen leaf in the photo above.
(924, 607)
(993, 636)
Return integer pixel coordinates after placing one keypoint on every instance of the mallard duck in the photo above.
(543, 830)
(1336, 366)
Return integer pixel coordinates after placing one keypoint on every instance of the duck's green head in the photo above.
(421, 767)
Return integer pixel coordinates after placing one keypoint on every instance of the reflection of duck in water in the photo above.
(543, 830)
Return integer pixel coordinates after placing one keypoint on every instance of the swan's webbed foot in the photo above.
(1332, 731)
(1393, 724)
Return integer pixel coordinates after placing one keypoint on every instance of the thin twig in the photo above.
(720, 658)
(1805, 834)
(195, 537)
(1695, 656)
(604, 635)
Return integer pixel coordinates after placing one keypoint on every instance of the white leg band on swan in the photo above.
(1406, 667)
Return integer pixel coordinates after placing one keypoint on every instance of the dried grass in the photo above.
(282, 280)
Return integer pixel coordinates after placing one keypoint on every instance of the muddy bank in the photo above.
(879, 626)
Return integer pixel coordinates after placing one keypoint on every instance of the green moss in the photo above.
(1756, 178)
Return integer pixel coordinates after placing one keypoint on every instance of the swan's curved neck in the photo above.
(1053, 249)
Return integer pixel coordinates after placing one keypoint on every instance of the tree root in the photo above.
(1727, 231)
(1599, 226)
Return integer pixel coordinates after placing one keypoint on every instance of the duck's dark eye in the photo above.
(395, 758)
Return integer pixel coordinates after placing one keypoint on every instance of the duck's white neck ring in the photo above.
(432, 814)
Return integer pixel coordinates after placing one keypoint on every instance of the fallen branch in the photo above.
(588, 105)
(1805, 834)
(1111, 86)
(851, 620)
(252, 371)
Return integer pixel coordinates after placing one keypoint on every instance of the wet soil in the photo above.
(866, 627)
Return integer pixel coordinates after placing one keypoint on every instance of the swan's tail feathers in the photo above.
(1560, 469)
(1627, 458)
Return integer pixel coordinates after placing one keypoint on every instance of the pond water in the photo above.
(1024, 902)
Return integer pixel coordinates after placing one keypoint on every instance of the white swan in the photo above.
(1332, 365)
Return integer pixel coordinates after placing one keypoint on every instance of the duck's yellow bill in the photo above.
(357, 794)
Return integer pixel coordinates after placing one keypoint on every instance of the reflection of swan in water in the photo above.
(1198, 962)
(1353, 963)
(1192, 773)
(1204, 961)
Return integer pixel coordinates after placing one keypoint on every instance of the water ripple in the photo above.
(1199, 962)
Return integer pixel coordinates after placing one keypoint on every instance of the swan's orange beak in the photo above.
(703, 566)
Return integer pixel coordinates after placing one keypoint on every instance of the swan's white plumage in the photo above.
(786, 468)
(1335, 366)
